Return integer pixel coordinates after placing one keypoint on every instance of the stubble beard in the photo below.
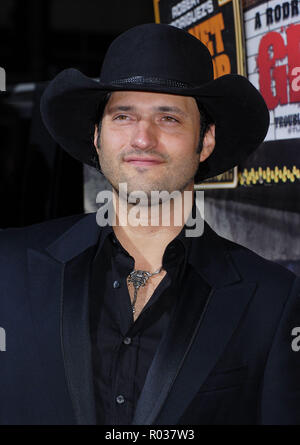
(137, 183)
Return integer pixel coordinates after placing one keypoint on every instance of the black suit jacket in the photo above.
(231, 363)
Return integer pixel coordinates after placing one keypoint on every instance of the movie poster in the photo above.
(217, 23)
(272, 37)
(272, 32)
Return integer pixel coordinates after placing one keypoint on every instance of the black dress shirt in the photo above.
(123, 349)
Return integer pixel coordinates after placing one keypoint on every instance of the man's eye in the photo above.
(170, 119)
(121, 117)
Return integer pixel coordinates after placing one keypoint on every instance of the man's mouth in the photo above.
(142, 161)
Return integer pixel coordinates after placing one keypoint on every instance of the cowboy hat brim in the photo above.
(69, 109)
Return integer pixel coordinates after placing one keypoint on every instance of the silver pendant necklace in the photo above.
(139, 278)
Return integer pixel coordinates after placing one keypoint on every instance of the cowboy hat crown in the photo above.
(157, 54)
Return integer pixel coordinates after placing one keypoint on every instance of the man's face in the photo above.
(149, 141)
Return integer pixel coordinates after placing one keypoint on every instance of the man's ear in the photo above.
(209, 143)
(96, 138)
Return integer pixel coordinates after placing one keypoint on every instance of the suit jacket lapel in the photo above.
(188, 352)
(223, 313)
(171, 353)
(200, 328)
(76, 344)
(59, 280)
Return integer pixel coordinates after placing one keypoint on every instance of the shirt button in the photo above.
(116, 284)
(127, 341)
(120, 399)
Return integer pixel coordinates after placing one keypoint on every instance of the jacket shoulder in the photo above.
(254, 266)
(36, 235)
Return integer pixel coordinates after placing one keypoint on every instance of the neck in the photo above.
(146, 231)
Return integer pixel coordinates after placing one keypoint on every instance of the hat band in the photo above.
(151, 80)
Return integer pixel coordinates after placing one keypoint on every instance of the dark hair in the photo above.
(205, 120)
(100, 112)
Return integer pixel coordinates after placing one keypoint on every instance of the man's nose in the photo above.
(143, 136)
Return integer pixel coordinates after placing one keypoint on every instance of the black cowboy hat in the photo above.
(164, 59)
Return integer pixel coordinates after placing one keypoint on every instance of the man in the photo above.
(124, 324)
